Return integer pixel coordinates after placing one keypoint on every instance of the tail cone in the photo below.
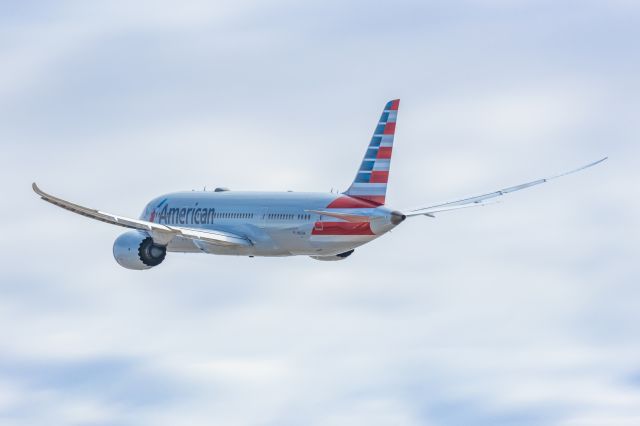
(397, 217)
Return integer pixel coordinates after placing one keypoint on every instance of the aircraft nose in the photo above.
(397, 217)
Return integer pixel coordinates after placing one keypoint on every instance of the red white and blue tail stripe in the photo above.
(371, 181)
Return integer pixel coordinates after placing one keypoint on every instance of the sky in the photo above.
(522, 313)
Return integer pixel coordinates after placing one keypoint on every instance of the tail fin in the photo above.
(371, 181)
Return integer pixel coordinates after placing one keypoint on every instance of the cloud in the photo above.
(520, 313)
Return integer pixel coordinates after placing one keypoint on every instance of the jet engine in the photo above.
(340, 256)
(136, 250)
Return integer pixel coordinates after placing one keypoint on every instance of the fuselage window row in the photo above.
(287, 216)
(272, 216)
(230, 215)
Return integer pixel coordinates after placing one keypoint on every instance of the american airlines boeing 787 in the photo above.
(325, 226)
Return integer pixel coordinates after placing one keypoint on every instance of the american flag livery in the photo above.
(371, 181)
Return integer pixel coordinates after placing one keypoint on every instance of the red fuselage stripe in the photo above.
(378, 199)
(346, 202)
(342, 228)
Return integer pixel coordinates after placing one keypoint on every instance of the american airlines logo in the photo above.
(183, 215)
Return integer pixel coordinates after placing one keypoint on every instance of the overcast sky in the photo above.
(522, 313)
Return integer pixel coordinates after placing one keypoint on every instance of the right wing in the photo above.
(480, 200)
(161, 234)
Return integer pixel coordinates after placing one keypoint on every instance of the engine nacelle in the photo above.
(136, 250)
(340, 256)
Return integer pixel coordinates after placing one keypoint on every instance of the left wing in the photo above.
(481, 200)
(161, 234)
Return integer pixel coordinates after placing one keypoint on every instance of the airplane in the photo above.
(324, 226)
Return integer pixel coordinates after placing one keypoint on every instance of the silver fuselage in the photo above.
(276, 223)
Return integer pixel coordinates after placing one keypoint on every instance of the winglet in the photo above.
(37, 190)
(580, 168)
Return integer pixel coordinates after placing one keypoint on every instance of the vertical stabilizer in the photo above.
(371, 181)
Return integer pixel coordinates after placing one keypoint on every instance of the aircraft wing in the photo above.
(161, 234)
(482, 200)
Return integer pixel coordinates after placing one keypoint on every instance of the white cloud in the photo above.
(520, 313)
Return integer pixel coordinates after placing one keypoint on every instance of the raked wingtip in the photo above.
(36, 189)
